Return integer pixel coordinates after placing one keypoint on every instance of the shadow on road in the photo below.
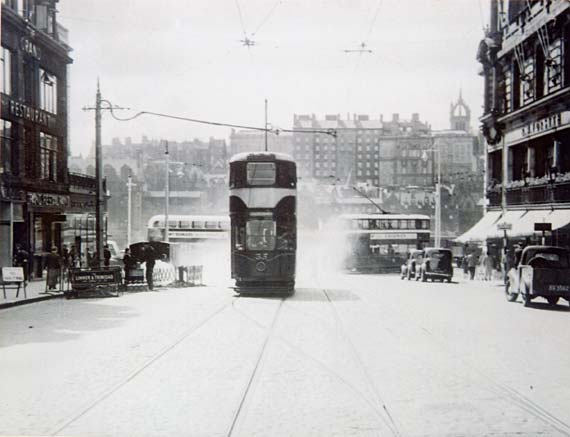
(562, 308)
(318, 295)
(59, 320)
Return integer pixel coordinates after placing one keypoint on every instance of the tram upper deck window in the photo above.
(260, 173)
(260, 234)
(212, 225)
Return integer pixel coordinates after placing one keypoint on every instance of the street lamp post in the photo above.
(129, 209)
(437, 238)
(166, 191)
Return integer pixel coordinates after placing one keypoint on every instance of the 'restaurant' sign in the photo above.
(26, 112)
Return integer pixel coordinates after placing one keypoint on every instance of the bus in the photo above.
(189, 228)
(380, 242)
(263, 189)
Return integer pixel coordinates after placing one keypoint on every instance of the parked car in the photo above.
(436, 265)
(542, 271)
(408, 269)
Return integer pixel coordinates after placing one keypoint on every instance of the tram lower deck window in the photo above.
(260, 235)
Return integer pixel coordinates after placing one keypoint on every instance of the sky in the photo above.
(187, 58)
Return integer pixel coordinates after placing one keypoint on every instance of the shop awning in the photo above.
(559, 218)
(481, 229)
(524, 227)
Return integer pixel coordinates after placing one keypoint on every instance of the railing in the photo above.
(534, 194)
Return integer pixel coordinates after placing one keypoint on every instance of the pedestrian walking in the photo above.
(21, 257)
(481, 266)
(465, 267)
(489, 266)
(106, 255)
(150, 259)
(72, 257)
(129, 263)
(53, 265)
(472, 265)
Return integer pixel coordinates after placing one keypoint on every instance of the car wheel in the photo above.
(449, 280)
(511, 297)
(552, 300)
(525, 297)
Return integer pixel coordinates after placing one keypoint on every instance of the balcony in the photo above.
(536, 191)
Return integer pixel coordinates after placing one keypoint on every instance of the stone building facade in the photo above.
(525, 59)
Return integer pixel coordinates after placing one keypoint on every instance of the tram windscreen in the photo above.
(260, 234)
(260, 173)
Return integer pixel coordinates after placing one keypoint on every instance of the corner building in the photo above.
(34, 185)
(525, 58)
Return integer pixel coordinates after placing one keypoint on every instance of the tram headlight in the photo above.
(260, 266)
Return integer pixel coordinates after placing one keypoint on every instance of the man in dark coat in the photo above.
(129, 263)
(150, 259)
(53, 265)
(106, 255)
(21, 257)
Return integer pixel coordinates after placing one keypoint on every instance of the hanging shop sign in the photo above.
(26, 112)
(48, 201)
(11, 194)
(81, 203)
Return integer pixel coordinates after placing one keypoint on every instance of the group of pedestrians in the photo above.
(58, 264)
(481, 267)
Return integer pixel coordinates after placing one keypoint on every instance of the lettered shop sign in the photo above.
(12, 274)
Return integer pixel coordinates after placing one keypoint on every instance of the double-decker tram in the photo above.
(263, 222)
(189, 228)
(380, 242)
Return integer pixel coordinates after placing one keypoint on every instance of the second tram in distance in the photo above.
(263, 190)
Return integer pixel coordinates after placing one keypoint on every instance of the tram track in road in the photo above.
(480, 377)
(105, 394)
(380, 405)
(382, 414)
(249, 387)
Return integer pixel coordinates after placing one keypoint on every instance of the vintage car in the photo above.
(436, 265)
(408, 269)
(542, 271)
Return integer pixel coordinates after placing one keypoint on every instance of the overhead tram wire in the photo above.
(266, 17)
(275, 131)
(362, 47)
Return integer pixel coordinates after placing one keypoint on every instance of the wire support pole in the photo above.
(438, 199)
(99, 192)
(99, 180)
